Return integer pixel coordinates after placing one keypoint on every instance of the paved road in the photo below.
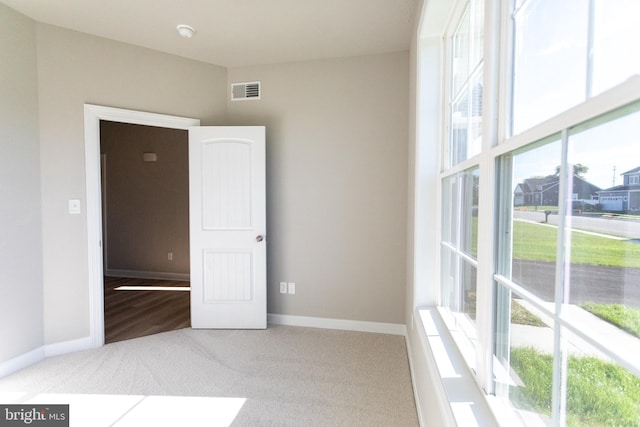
(603, 224)
(589, 283)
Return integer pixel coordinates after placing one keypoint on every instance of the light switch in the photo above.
(74, 206)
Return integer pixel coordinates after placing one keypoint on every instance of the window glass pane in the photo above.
(469, 225)
(450, 209)
(460, 54)
(475, 118)
(459, 130)
(466, 122)
(468, 275)
(550, 60)
(616, 36)
(535, 201)
(604, 296)
(448, 276)
(459, 289)
(600, 392)
(477, 36)
(605, 250)
(465, 100)
(524, 363)
(459, 247)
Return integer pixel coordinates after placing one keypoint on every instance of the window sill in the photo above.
(469, 405)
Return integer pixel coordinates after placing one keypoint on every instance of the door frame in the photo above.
(92, 116)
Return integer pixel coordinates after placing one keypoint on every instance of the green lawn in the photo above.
(599, 393)
(626, 318)
(522, 316)
(538, 242)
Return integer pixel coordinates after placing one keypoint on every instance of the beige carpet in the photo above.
(284, 376)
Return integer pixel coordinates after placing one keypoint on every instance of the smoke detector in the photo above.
(185, 31)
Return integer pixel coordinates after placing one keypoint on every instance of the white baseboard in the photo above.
(70, 346)
(43, 352)
(341, 324)
(22, 361)
(156, 275)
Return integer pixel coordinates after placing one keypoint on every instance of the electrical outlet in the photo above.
(292, 288)
(170, 256)
(283, 287)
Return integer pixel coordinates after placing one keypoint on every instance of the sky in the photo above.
(551, 76)
(616, 143)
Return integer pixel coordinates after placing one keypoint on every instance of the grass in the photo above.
(522, 316)
(626, 318)
(538, 242)
(599, 393)
(519, 314)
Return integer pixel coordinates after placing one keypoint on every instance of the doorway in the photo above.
(227, 194)
(145, 211)
(93, 115)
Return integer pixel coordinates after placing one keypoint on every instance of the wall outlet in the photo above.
(283, 287)
(292, 288)
(170, 256)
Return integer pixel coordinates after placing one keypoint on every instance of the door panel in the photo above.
(227, 181)
(227, 227)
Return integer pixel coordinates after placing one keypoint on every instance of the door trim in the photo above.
(92, 116)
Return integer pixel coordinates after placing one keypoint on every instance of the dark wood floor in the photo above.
(132, 314)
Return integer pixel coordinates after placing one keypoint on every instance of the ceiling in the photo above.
(234, 33)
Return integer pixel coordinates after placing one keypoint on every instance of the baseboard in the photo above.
(156, 275)
(341, 324)
(70, 346)
(43, 352)
(22, 361)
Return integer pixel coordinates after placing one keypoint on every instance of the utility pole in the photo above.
(613, 183)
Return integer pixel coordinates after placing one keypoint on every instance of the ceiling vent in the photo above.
(245, 91)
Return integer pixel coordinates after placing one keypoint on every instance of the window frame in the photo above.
(497, 142)
(463, 331)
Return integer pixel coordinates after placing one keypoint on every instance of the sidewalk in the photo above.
(619, 342)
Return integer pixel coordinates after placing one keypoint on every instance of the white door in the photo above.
(227, 222)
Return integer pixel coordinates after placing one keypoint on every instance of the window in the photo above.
(536, 198)
(460, 188)
(465, 97)
(459, 247)
(568, 51)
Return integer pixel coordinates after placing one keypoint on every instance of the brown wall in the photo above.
(147, 202)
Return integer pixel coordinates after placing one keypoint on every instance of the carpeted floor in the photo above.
(283, 376)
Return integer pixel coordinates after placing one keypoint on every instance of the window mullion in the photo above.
(490, 67)
(590, 48)
(563, 271)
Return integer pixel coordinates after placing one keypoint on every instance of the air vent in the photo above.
(245, 91)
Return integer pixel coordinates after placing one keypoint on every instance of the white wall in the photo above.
(74, 69)
(336, 183)
(21, 294)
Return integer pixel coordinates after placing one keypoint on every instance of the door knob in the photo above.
(259, 238)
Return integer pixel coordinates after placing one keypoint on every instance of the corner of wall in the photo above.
(21, 305)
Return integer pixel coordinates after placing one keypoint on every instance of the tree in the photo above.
(579, 170)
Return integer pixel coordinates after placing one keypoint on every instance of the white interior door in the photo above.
(227, 221)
